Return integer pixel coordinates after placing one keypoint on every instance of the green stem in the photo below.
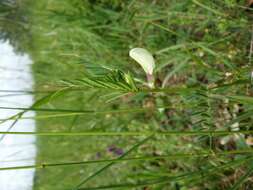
(142, 158)
(137, 133)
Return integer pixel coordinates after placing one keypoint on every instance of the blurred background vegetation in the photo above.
(203, 69)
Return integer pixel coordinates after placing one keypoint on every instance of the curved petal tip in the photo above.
(144, 58)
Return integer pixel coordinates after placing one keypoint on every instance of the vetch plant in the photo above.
(114, 80)
(118, 80)
(147, 62)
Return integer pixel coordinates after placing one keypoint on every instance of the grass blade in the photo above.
(111, 163)
(242, 179)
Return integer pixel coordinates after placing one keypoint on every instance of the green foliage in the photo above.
(13, 24)
(114, 80)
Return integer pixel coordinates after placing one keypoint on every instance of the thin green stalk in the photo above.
(214, 169)
(24, 91)
(208, 8)
(161, 180)
(134, 133)
(112, 163)
(242, 179)
(133, 159)
(12, 125)
(169, 179)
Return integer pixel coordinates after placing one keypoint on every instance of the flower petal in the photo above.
(144, 58)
